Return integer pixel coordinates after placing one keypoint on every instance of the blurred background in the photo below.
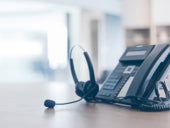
(36, 35)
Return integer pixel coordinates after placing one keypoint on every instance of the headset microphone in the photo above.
(51, 103)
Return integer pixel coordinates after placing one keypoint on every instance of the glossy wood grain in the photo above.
(22, 107)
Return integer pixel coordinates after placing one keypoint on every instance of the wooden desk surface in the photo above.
(22, 107)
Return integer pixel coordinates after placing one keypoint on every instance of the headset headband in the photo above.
(89, 64)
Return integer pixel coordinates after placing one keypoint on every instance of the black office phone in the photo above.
(142, 72)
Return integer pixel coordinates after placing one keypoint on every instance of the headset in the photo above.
(85, 90)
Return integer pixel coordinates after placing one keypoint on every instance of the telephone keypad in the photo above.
(112, 82)
(117, 80)
(121, 84)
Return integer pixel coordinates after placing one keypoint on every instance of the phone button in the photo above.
(129, 69)
(107, 94)
(110, 87)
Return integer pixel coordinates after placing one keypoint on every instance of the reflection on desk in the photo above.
(22, 106)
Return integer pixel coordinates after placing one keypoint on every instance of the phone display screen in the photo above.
(135, 53)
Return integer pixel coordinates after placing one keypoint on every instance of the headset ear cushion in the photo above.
(90, 90)
(80, 89)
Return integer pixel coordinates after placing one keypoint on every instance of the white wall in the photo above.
(113, 44)
(112, 6)
(160, 10)
(109, 6)
(143, 13)
(85, 34)
(136, 13)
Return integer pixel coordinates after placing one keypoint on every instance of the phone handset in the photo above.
(146, 71)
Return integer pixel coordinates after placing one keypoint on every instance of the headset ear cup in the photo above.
(90, 90)
(80, 89)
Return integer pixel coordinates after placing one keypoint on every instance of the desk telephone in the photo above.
(141, 79)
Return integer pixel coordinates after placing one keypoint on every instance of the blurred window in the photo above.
(33, 42)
